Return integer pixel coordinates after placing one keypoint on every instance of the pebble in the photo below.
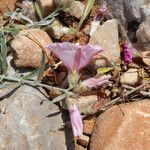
(130, 77)
(76, 9)
(27, 53)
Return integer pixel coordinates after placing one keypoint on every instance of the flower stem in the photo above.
(33, 83)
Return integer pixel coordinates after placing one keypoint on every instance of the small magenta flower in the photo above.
(76, 120)
(95, 82)
(127, 55)
(74, 57)
(98, 18)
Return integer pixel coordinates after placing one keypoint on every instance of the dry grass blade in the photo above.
(42, 67)
(87, 10)
(38, 10)
(113, 102)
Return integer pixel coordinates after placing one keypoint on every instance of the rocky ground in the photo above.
(35, 85)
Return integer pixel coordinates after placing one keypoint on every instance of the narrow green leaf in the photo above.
(59, 98)
(42, 67)
(2, 86)
(72, 31)
(3, 53)
(31, 74)
(103, 70)
(38, 10)
(87, 10)
(9, 85)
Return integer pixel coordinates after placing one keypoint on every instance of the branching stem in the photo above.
(34, 83)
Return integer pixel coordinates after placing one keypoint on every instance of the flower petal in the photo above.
(127, 55)
(73, 56)
(87, 52)
(66, 52)
(94, 82)
(76, 120)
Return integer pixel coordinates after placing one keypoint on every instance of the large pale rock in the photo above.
(116, 10)
(130, 77)
(27, 52)
(143, 33)
(7, 5)
(106, 36)
(125, 11)
(28, 124)
(46, 6)
(76, 9)
(132, 9)
(128, 131)
(129, 16)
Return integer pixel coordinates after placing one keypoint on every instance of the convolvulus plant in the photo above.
(75, 57)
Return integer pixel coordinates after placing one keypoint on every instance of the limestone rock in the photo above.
(46, 6)
(132, 10)
(7, 5)
(26, 123)
(76, 9)
(128, 14)
(125, 11)
(130, 77)
(130, 131)
(106, 36)
(143, 33)
(116, 10)
(27, 52)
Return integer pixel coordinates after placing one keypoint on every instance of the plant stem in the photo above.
(33, 83)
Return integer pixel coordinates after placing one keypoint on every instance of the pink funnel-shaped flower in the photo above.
(76, 120)
(74, 56)
(127, 55)
(94, 82)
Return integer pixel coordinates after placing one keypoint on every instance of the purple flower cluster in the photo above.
(127, 55)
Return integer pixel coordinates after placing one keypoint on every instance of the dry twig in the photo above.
(118, 99)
